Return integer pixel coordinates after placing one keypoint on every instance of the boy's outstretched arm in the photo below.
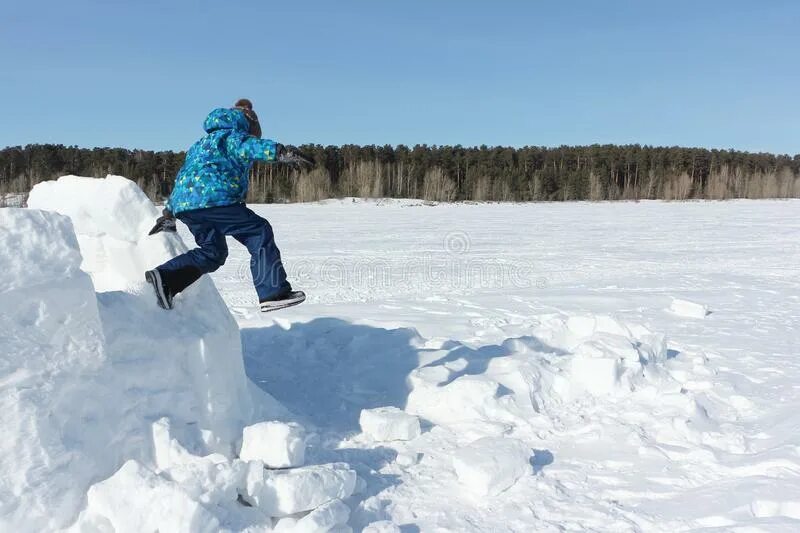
(250, 149)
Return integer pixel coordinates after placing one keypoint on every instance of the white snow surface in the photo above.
(557, 386)
(549, 324)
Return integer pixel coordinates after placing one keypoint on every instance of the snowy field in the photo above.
(569, 327)
(494, 367)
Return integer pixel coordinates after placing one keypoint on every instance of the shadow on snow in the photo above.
(328, 370)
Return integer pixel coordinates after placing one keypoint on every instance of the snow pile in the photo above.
(688, 309)
(568, 358)
(389, 423)
(606, 356)
(136, 499)
(84, 374)
(191, 493)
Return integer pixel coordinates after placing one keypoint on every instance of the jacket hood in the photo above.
(226, 119)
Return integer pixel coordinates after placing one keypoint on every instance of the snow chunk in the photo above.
(382, 526)
(688, 309)
(287, 492)
(408, 458)
(136, 499)
(331, 516)
(389, 423)
(168, 451)
(211, 479)
(466, 398)
(276, 444)
(491, 465)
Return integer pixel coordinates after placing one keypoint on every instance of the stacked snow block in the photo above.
(56, 428)
(292, 488)
(185, 492)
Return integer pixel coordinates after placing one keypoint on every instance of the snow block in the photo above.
(466, 398)
(491, 465)
(167, 450)
(286, 492)
(276, 444)
(408, 458)
(136, 499)
(389, 423)
(52, 348)
(331, 516)
(688, 309)
(37, 248)
(212, 479)
(382, 526)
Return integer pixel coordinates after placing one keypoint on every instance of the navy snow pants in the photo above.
(209, 227)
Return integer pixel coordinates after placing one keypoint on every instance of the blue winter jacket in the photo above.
(217, 167)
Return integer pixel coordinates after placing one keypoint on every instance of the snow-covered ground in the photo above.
(569, 327)
(457, 367)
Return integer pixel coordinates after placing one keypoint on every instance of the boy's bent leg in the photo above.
(269, 276)
(183, 270)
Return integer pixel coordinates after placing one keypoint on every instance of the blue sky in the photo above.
(143, 74)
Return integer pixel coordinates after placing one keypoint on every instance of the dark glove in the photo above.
(166, 222)
(293, 157)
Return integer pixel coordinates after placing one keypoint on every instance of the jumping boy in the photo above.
(208, 197)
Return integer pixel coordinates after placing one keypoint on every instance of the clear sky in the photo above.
(143, 74)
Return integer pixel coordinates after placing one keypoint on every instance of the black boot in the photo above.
(163, 294)
(283, 300)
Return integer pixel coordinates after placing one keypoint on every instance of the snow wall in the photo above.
(89, 362)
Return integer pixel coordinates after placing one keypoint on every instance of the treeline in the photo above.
(445, 173)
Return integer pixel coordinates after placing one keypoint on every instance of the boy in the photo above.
(208, 197)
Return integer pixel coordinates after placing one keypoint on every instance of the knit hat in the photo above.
(247, 107)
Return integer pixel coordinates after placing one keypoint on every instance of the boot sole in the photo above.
(154, 279)
(266, 307)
